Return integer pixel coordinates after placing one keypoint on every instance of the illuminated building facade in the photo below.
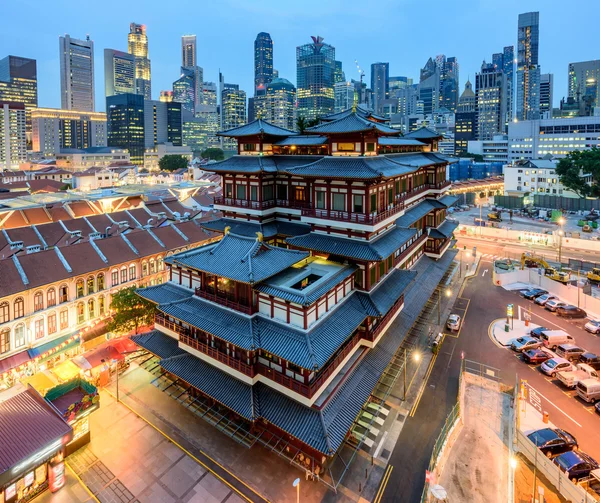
(280, 99)
(162, 123)
(55, 129)
(263, 60)
(584, 82)
(465, 120)
(546, 95)
(345, 96)
(137, 45)
(13, 138)
(528, 69)
(233, 110)
(490, 91)
(125, 120)
(76, 74)
(315, 69)
(380, 84)
(119, 73)
(18, 83)
(188, 50)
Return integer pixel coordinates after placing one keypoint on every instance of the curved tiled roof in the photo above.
(257, 127)
(423, 133)
(352, 123)
(409, 142)
(250, 229)
(302, 140)
(360, 111)
(444, 231)
(352, 167)
(158, 344)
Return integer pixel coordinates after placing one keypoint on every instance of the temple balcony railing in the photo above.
(296, 205)
(223, 301)
(218, 355)
(244, 203)
(160, 319)
(386, 318)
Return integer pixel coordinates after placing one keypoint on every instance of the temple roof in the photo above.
(261, 164)
(444, 231)
(352, 123)
(360, 111)
(448, 200)
(240, 258)
(158, 344)
(166, 292)
(423, 133)
(377, 249)
(391, 141)
(257, 127)
(269, 229)
(418, 211)
(353, 168)
(380, 300)
(302, 141)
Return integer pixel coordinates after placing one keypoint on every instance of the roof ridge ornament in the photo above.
(227, 230)
(259, 237)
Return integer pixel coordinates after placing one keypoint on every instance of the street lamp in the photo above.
(561, 222)
(448, 294)
(296, 484)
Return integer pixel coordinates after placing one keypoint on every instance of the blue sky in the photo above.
(403, 32)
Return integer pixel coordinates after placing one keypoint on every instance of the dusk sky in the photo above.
(402, 32)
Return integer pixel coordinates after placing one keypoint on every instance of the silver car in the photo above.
(554, 304)
(524, 343)
(554, 365)
(542, 299)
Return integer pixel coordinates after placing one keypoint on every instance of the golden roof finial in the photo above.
(354, 107)
(227, 229)
(259, 237)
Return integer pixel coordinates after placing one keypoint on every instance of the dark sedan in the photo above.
(535, 356)
(534, 293)
(576, 465)
(553, 441)
(537, 332)
(571, 312)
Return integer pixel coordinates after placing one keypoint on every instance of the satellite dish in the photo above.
(438, 492)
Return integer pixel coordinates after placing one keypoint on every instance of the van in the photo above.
(570, 352)
(589, 390)
(554, 338)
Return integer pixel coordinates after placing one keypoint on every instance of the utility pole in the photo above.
(438, 303)
(405, 362)
(578, 280)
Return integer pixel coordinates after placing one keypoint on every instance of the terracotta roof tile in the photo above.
(141, 215)
(121, 216)
(116, 250)
(37, 216)
(81, 208)
(79, 224)
(25, 234)
(53, 233)
(83, 258)
(15, 220)
(42, 268)
(100, 222)
(170, 237)
(57, 212)
(144, 243)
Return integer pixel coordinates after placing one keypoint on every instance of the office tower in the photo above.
(465, 120)
(188, 51)
(528, 70)
(125, 124)
(54, 130)
(119, 73)
(18, 84)
(184, 89)
(449, 83)
(280, 100)
(380, 77)
(546, 95)
(408, 98)
(76, 73)
(137, 45)
(233, 109)
(315, 70)
(490, 92)
(162, 123)
(345, 96)
(396, 83)
(584, 82)
(338, 75)
(263, 61)
(429, 87)
(13, 137)
(166, 96)
(208, 123)
(508, 62)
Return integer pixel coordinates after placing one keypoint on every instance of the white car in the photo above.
(593, 326)
(453, 322)
(554, 304)
(554, 365)
(542, 299)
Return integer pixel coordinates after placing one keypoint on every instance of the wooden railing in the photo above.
(286, 381)
(244, 203)
(409, 249)
(159, 319)
(218, 355)
(223, 301)
(284, 203)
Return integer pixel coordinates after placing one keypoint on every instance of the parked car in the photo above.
(453, 322)
(535, 356)
(589, 390)
(553, 304)
(534, 293)
(542, 299)
(593, 327)
(581, 372)
(553, 441)
(590, 359)
(524, 343)
(571, 312)
(502, 264)
(554, 365)
(569, 352)
(576, 465)
(537, 332)
(553, 338)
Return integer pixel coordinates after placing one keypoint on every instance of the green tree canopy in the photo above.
(302, 123)
(131, 311)
(215, 154)
(581, 162)
(172, 162)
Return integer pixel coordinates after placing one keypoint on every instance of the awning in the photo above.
(124, 345)
(94, 358)
(87, 334)
(61, 344)
(66, 370)
(40, 381)
(14, 361)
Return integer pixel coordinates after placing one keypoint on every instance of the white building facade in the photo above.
(534, 177)
(13, 140)
(494, 150)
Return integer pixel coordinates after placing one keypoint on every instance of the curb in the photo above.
(492, 336)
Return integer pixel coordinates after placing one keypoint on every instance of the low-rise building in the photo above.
(153, 155)
(494, 150)
(82, 159)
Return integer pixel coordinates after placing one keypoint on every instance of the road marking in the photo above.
(87, 489)
(491, 335)
(422, 390)
(484, 271)
(194, 457)
(558, 408)
(383, 485)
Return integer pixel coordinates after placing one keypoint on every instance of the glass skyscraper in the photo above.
(528, 70)
(263, 61)
(18, 84)
(76, 74)
(315, 69)
(188, 50)
(137, 44)
(380, 84)
(280, 100)
(125, 124)
(119, 73)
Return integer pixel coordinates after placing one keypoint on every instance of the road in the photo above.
(485, 303)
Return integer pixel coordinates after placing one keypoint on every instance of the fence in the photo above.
(565, 203)
(510, 202)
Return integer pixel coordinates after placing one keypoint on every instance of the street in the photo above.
(484, 303)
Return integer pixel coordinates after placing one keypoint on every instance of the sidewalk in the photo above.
(516, 329)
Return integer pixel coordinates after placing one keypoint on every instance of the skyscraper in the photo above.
(208, 113)
(339, 75)
(18, 83)
(137, 44)
(546, 94)
(528, 70)
(188, 50)
(490, 91)
(449, 83)
(162, 123)
(315, 70)
(125, 124)
(280, 100)
(584, 82)
(13, 138)
(508, 62)
(119, 73)
(233, 109)
(263, 61)
(185, 88)
(380, 82)
(465, 120)
(76, 73)
(429, 87)
(344, 96)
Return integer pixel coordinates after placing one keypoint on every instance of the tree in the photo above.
(172, 162)
(215, 154)
(302, 123)
(131, 311)
(577, 163)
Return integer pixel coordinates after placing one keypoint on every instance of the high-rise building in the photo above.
(208, 122)
(345, 96)
(315, 69)
(584, 82)
(449, 83)
(280, 100)
(380, 78)
(137, 44)
(54, 130)
(188, 51)
(429, 87)
(546, 95)
(508, 65)
(263, 61)
(184, 89)
(233, 109)
(338, 75)
(528, 70)
(119, 73)
(76, 73)
(407, 96)
(490, 91)
(18, 84)
(13, 138)
(465, 120)
(162, 123)
(125, 124)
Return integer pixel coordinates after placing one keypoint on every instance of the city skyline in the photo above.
(288, 29)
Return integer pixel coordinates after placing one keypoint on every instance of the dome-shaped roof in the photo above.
(280, 83)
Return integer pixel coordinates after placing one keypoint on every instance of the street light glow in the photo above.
(448, 292)
(561, 221)
(513, 462)
(417, 357)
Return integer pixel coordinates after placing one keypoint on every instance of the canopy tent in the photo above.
(66, 370)
(97, 357)
(40, 382)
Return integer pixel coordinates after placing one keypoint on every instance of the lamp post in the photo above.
(296, 484)
(561, 222)
(448, 294)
